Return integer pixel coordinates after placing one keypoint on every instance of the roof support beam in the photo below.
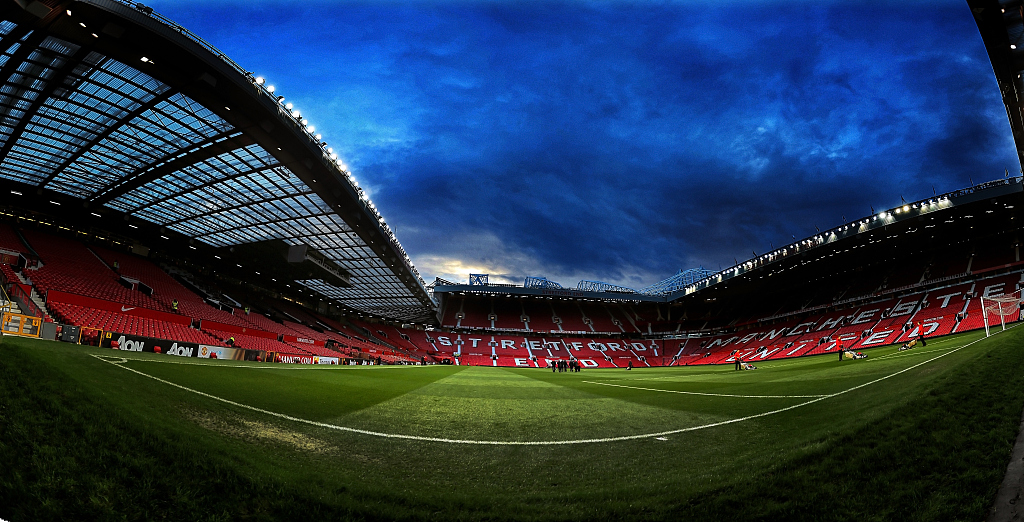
(30, 44)
(208, 148)
(59, 79)
(262, 223)
(143, 107)
(247, 204)
(14, 36)
(212, 182)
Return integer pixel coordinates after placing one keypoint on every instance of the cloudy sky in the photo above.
(622, 141)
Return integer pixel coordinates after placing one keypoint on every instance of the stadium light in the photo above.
(270, 88)
(288, 106)
(304, 122)
(295, 114)
(906, 208)
(259, 80)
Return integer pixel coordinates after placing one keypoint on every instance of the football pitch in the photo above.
(923, 434)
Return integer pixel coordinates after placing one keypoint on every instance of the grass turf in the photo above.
(83, 438)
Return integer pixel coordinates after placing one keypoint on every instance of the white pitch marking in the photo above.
(535, 443)
(906, 353)
(662, 438)
(710, 394)
(277, 366)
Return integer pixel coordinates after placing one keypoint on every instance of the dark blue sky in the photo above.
(624, 141)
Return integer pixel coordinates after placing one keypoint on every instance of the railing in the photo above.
(20, 324)
(31, 308)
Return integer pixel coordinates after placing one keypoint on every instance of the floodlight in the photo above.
(1012, 46)
(295, 113)
(311, 128)
(906, 208)
(270, 88)
(259, 80)
(288, 106)
(144, 59)
(318, 136)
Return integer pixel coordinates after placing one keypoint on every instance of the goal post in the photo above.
(1000, 309)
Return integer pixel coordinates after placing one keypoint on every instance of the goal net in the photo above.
(1000, 310)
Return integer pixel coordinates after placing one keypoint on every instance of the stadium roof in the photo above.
(140, 120)
(1001, 24)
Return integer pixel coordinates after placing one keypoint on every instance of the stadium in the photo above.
(205, 317)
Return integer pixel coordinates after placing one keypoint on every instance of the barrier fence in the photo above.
(20, 324)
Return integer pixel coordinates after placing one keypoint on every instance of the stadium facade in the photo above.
(121, 127)
(119, 117)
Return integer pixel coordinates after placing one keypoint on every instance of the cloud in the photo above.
(625, 141)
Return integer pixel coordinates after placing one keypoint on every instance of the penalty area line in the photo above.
(527, 443)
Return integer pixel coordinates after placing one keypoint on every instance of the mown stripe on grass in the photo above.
(709, 394)
(533, 443)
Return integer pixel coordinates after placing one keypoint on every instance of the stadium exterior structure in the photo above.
(824, 270)
(117, 118)
(791, 279)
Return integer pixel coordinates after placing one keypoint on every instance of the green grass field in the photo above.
(100, 434)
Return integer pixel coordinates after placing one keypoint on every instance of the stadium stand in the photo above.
(508, 314)
(603, 319)
(9, 240)
(541, 315)
(571, 315)
(130, 324)
(166, 289)
(993, 257)
(71, 267)
(475, 311)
